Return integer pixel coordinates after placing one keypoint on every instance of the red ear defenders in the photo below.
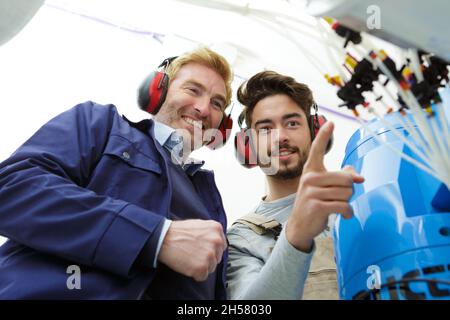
(244, 150)
(152, 94)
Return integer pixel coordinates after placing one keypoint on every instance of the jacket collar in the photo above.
(161, 133)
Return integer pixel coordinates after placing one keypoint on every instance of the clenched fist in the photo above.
(193, 248)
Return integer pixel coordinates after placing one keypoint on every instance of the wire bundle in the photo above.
(413, 96)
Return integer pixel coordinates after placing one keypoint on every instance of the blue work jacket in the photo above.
(89, 190)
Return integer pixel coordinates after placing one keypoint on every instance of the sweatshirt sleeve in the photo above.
(249, 277)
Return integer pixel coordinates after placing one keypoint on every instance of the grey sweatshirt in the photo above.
(261, 267)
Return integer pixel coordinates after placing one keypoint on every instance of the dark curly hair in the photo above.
(269, 83)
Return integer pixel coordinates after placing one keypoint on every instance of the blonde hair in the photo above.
(207, 58)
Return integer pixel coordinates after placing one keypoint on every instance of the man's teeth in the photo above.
(193, 122)
(285, 153)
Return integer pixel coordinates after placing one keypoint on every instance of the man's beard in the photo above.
(285, 173)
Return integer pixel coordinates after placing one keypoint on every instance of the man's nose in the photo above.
(282, 135)
(202, 106)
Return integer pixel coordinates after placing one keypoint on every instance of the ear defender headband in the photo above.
(244, 151)
(152, 94)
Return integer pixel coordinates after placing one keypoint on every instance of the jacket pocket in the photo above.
(124, 150)
(126, 173)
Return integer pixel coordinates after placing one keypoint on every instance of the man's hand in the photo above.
(193, 248)
(320, 194)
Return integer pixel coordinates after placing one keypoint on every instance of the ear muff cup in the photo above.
(316, 121)
(153, 91)
(244, 150)
(223, 133)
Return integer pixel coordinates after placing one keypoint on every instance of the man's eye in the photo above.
(293, 124)
(193, 90)
(218, 104)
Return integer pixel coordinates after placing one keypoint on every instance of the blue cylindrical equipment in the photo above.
(397, 245)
